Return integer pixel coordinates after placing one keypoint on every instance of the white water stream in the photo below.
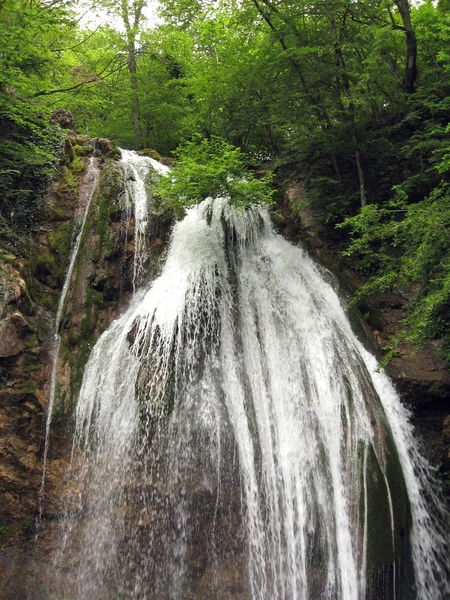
(87, 190)
(230, 421)
(136, 171)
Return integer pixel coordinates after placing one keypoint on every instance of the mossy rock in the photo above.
(84, 151)
(78, 166)
(387, 536)
(150, 153)
(6, 533)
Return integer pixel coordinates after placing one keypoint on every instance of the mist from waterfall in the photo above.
(231, 422)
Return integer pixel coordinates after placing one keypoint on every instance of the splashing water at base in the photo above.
(234, 439)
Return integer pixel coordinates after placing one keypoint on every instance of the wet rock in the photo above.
(446, 431)
(421, 376)
(63, 118)
(150, 153)
(80, 139)
(166, 160)
(12, 286)
(12, 335)
(105, 147)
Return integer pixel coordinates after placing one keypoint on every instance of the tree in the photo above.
(131, 14)
(213, 168)
(411, 46)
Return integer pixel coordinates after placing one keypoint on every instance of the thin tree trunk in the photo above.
(135, 97)
(336, 166)
(349, 116)
(411, 46)
(131, 30)
(362, 184)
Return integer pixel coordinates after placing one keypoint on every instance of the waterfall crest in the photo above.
(231, 422)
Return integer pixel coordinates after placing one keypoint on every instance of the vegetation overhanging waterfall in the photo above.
(232, 409)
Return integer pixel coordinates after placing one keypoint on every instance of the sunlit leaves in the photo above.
(213, 168)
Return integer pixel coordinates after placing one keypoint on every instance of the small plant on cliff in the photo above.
(212, 167)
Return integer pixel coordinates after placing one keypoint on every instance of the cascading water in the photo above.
(136, 171)
(235, 440)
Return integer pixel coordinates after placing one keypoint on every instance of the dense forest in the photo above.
(350, 96)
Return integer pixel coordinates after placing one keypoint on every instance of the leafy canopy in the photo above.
(212, 167)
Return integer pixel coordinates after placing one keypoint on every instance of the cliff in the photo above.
(30, 285)
(100, 286)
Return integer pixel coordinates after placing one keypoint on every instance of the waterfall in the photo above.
(87, 189)
(136, 172)
(234, 438)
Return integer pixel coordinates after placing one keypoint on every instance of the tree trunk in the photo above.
(348, 116)
(362, 183)
(135, 97)
(411, 47)
(131, 29)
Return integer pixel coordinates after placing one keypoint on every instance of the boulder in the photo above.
(12, 335)
(63, 118)
(105, 147)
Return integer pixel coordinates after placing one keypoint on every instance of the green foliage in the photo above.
(29, 149)
(319, 86)
(403, 245)
(212, 167)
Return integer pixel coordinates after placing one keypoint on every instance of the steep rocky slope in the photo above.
(30, 286)
(101, 283)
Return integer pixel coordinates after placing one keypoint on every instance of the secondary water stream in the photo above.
(87, 190)
(234, 438)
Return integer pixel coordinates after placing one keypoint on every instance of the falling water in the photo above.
(136, 172)
(87, 189)
(234, 438)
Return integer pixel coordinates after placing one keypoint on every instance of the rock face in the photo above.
(30, 285)
(13, 331)
(101, 285)
(63, 118)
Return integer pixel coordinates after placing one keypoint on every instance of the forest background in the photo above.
(350, 96)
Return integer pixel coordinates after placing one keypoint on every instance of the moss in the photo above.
(62, 409)
(5, 532)
(88, 336)
(93, 301)
(110, 189)
(43, 263)
(60, 244)
(150, 153)
(85, 151)
(78, 165)
(58, 212)
(28, 529)
(68, 182)
(68, 151)
(6, 257)
(51, 261)
(32, 341)
(115, 154)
